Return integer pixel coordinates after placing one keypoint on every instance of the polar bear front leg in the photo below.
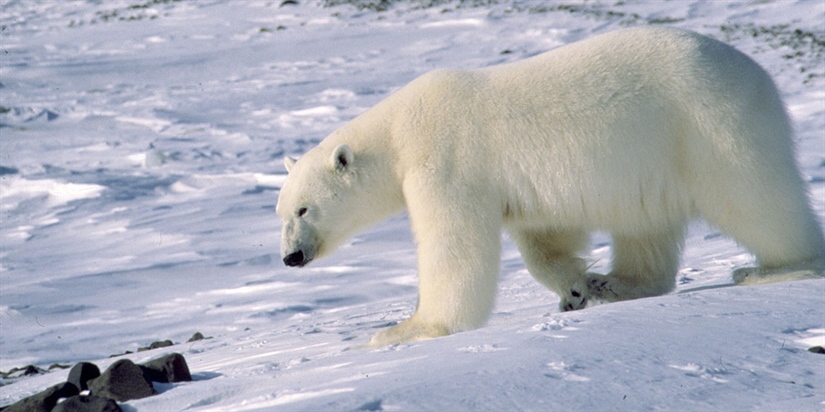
(457, 286)
(459, 250)
(410, 330)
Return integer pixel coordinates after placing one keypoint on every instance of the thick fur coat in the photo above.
(634, 132)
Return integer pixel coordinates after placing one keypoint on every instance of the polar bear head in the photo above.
(318, 204)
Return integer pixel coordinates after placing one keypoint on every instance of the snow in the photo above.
(141, 152)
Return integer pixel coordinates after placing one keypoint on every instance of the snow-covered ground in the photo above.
(140, 160)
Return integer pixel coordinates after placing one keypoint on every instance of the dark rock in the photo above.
(196, 337)
(44, 401)
(82, 373)
(155, 345)
(817, 349)
(90, 403)
(24, 371)
(167, 369)
(373, 406)
(122, 381)
(32, 370)
(121, 354)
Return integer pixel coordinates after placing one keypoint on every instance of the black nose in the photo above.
(294, 259)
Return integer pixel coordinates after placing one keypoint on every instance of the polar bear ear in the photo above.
(289, 162)
(342, 157)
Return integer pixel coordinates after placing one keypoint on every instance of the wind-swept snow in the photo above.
(140, 163)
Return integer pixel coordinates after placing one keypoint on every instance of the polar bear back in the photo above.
(620, 132)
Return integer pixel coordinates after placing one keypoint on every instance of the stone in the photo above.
(196, 337)
(157, 344)
(167, 369)
(87, 403)
(122, 381)
(82, 373)
(44, 401)
(32, 370)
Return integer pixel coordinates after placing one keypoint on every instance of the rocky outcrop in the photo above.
(121, 381)
(87, 403)
(44, 401)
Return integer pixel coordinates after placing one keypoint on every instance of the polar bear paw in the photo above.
(576, 298)
(760, 276)
(601, 287)
(406, 332)
(594, 287)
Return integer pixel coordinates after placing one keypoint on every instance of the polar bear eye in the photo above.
(302, 211)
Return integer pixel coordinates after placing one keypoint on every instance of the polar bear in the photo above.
(634, 132)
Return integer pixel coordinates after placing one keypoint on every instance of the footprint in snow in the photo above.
(556, 325)
(560, 370)
(481, 349)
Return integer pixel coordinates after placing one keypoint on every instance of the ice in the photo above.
(17, 190)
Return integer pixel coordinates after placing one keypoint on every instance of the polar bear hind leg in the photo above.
(552, 259)
(774, 224)
(781, 231)
(754, 194)
(643, 265)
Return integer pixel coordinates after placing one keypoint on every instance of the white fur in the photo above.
(634, 132)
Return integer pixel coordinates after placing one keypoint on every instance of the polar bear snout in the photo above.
(299, 243)
(295, 259)
(300, 256)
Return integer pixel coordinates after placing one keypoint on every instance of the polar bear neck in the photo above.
(375, 167)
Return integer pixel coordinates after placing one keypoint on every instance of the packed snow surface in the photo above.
(141, 147)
